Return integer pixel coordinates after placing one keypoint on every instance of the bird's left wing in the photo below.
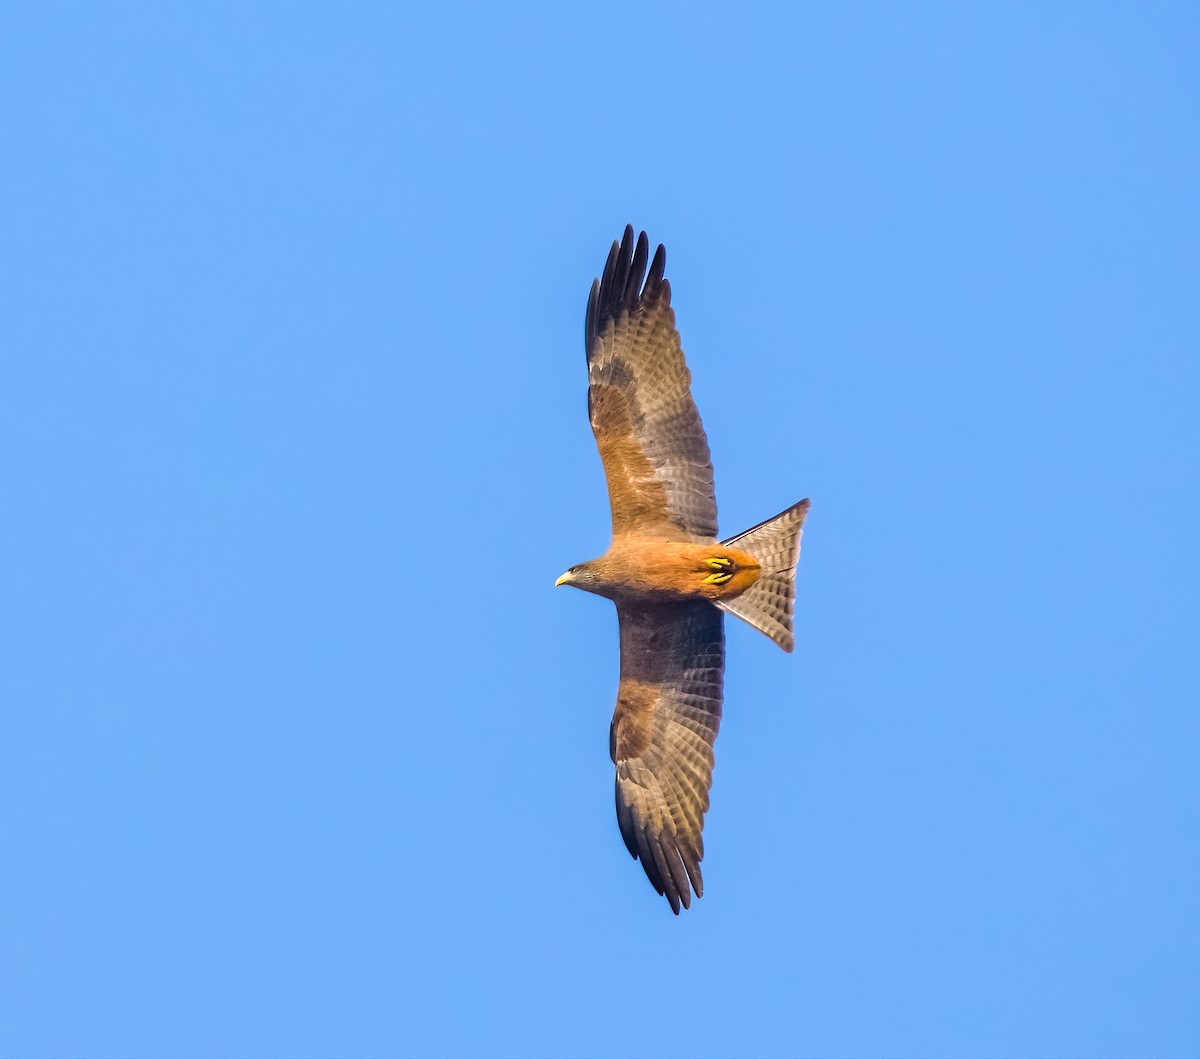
(651, 440)
(662, 735)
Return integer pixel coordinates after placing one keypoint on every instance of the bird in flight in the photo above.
(669, 576)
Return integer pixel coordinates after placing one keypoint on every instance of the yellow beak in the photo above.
(566, 579)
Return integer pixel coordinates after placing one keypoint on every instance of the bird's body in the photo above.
(669, 576)
(649, 570)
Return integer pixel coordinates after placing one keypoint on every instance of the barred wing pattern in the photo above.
(661, 739)
(651, 439)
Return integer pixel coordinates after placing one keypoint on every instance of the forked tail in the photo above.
(768, 603)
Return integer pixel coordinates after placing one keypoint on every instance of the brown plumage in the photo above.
(668, 575)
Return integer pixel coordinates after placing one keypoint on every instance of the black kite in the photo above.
(666, 571)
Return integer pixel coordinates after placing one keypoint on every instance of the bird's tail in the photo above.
(767, 604)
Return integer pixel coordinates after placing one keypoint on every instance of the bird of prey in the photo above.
(669, 576)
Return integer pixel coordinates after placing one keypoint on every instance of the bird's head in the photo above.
(584, 576)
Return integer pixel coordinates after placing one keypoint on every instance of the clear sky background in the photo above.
(302, 754)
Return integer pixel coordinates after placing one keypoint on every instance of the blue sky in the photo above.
(303, 755)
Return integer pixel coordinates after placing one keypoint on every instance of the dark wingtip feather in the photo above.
(620, 280)
(647, 859)
(593, 308)
(625, 285)
(637, 268)
(665, 884)
(608, 276)
(679, 880)
(691, 862)
(625, 822)
(657, 267)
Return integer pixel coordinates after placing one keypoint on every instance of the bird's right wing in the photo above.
(651, 440)
(661, 740)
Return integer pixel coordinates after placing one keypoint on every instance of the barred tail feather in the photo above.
(768, 603)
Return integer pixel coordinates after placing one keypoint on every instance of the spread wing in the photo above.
(662, 735)
(651, 440)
